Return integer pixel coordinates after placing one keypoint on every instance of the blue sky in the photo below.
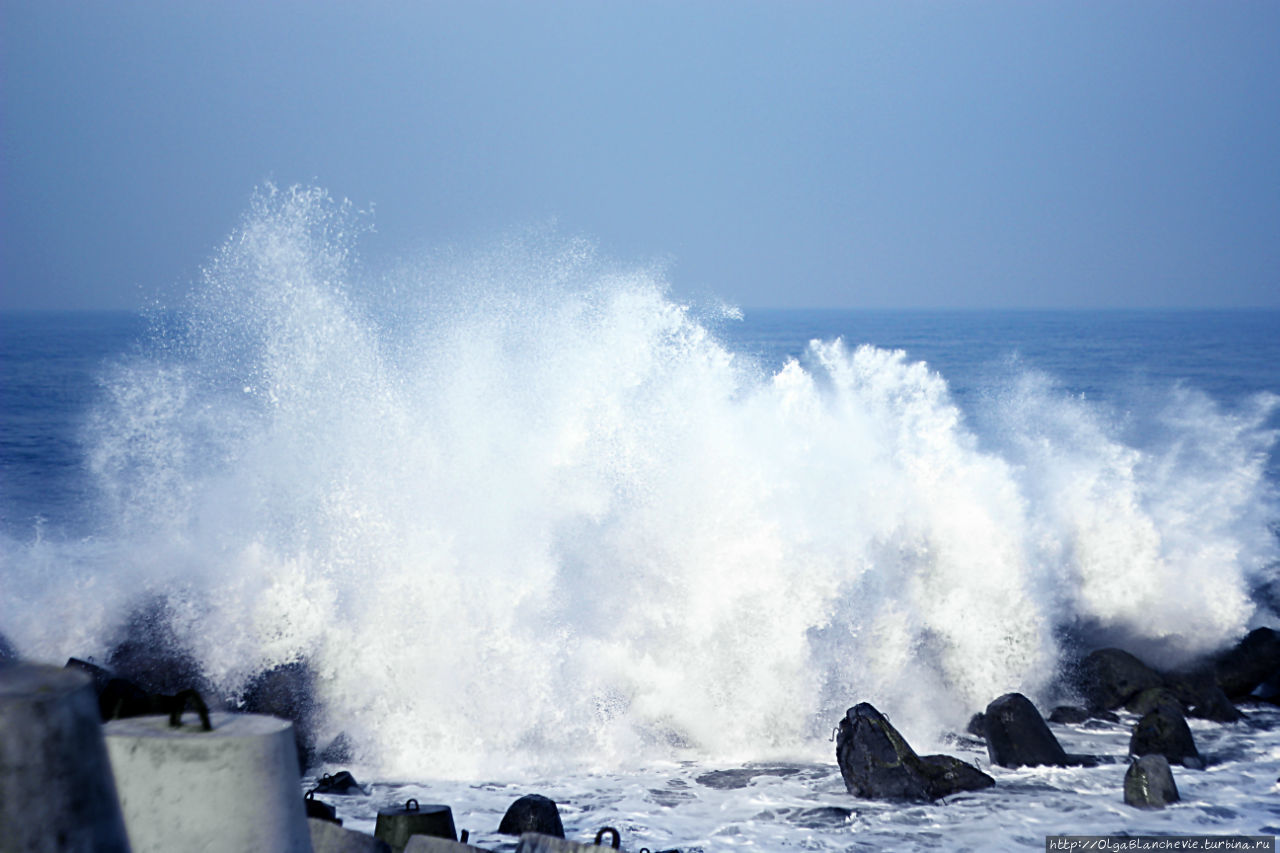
(820, 154)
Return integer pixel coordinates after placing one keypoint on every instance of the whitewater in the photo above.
(531, 520)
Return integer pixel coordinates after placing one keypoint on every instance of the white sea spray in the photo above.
(525, 509)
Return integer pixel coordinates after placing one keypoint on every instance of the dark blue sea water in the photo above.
(536, 524)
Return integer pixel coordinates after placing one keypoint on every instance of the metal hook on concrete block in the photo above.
(189, 699)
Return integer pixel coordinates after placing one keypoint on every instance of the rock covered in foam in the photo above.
(878, 763)
(1148, 784)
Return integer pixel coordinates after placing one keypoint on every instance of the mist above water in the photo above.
(523, 508)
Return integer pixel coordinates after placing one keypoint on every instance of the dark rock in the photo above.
(532, 813)
(1200, 694)
(1268, 691)
(1155, 697)
(1163, 731)
(1148, 784)
(877, 762)
(1250, 663)
(339, 750)
(1217, 707)
(977, 726)
(341, 782)
(1017, 735)
(948, 774)
(8, 656)
(1068, 714)
(1108, 678)
(151, 656)
(288, 692)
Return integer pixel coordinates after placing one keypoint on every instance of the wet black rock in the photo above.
(1108, 678)
(1240, 670)
(151, 656)
(1165, 732)
(339, 751)
(977, 726)
(1200, 694)
(1068, 714)
(878, 763)
(1155, 697)
(1268, 691)
(948, 775)
(1017, 736)
(8, 655)
(532, 813)
(287, 692)
(1149, 784)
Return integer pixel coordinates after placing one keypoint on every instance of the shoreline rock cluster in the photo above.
(876, 761)
(147, 672)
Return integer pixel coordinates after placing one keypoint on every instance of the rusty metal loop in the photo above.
(617, 839)
(411, 805)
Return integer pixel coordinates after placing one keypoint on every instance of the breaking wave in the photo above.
(525, 508)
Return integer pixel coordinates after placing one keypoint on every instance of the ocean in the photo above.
(539, 526)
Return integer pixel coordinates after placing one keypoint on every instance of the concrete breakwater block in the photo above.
(396, 825)
(56, 787)
(431, 844)
(329, 837)
(231, 789)
(533, 842)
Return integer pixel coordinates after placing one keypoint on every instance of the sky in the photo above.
(1031, 154)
